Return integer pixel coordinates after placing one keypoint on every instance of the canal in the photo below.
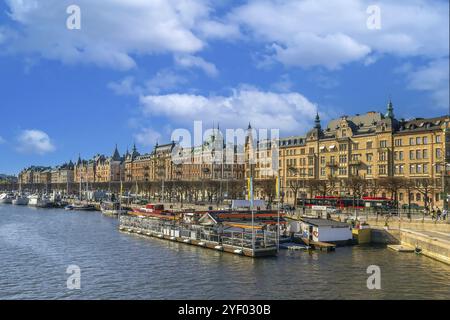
(38, 245)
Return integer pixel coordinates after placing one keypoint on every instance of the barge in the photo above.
(242, 233)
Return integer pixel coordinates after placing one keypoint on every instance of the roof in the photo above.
(325, 223)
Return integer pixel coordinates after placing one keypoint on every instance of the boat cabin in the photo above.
(322, 230)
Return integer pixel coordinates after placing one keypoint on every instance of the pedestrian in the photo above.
(444, 214)
(438, 213)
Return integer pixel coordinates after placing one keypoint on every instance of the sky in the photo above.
(81, 80)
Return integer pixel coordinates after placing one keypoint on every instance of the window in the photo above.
(344, 133)
(369, 156)
(419, 168)
(342, 159)
(332, 159)
(425, 140)
(322, 160)
(425, 154)
(342, 147)
(412, 169)
(425, 168)
(411, 141)
(382, 169)
(342, 171)
(438, 153)
(369, 169)
(418, 196)
(311, 150)
(302, 151)
(310, 172)
(411, 155)
(400, 155)
(396, 155)
(418, 140)
(355, 146)
(310, 161)
(438, 139)
(383, 144)
(418, 154)
(369, 145)
(383, 156)
(322, 171)
(398, 142)
(400, 196)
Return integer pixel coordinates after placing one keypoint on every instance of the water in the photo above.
(37, 246)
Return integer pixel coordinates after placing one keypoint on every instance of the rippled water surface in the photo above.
(37, 246)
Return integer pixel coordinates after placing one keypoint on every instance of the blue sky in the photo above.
(138, 69)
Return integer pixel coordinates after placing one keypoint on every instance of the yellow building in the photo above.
(377, 147)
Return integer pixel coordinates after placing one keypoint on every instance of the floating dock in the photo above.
(400, 248)
(236, 242)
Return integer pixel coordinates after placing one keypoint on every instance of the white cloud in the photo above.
(190, 61)
(432, 78)
(112, 31)
(34, 141)
(147, 137)
(333, 33)
(290, 112)
(164, 80)
(125, 87)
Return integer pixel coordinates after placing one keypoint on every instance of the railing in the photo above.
(242, 239)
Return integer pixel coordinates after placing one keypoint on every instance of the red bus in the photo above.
(348, 202)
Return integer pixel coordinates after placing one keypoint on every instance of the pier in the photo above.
(244, 242)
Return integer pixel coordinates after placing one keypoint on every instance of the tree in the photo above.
(408, 186)
(296, 183)
(425, 186)
(321, 187)
(357, 185)
(374, 187)
(268, 188)
(392, 185)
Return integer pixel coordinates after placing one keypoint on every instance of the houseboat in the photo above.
(238, 232)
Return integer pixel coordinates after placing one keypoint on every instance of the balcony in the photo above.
(332, 164)
(355, 162)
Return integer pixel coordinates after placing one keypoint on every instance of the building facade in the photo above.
(372, 146)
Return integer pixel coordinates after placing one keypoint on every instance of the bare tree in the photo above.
(425, 186)
(392, 185)
(268, 188)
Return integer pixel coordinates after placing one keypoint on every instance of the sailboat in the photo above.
(20, 199)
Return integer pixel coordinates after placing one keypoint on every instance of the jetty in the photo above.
(232, 232)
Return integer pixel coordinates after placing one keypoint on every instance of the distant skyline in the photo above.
(136, 71)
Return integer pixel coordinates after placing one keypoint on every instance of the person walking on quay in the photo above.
(438, 213)
(444, 214)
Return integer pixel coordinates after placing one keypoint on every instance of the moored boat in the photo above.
(6, 198)
(112, 209)
(20, 200)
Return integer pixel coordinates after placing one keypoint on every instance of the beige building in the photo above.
(373, 146)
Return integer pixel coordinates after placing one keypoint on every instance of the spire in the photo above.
(79, 160)
(390, 110)
(116, 154)
(249, 126)
(317, 121)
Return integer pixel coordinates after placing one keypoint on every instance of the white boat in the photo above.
(112, 209)
(20, 200)
(6, 198)
(38, 201)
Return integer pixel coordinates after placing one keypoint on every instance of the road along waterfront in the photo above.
(38, 245)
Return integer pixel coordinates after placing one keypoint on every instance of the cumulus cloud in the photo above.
(290, 112)
(333, 33)
(126, 86)
(190, 61)
(34, 141)
(111, 32)
(432, 78)
(147, 137)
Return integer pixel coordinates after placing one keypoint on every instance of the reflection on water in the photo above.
(36, 247)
